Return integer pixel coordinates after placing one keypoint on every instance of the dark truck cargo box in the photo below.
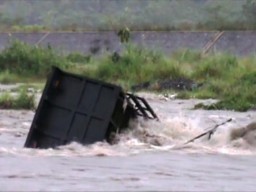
(77, 108)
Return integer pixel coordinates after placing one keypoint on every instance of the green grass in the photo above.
(136, 65)
(26, 60)
(229, 79)
(224, 76)
(8, 78)
(28, 28)
(78, 58)
(21, 101)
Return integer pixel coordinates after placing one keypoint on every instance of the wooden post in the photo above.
(210, 44)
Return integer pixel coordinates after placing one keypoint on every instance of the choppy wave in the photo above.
(173, 133)
(177, 125)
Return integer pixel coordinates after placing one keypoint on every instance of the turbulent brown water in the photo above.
(149, 157)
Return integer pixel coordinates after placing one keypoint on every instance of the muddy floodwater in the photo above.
(149, 157)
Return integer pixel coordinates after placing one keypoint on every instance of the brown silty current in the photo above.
(150, 156)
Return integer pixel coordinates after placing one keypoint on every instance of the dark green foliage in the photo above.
(248, 78)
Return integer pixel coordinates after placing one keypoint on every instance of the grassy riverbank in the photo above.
(225, 77)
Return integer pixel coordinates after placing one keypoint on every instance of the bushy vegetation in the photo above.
(8, 78)
(20, 101)
(26, 60)
(136, 65)
(76, 57)
(239, 94)
(225, 77)
(27, 15)
(222, 76)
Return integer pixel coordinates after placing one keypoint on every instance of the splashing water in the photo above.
(178, 124)
(150, 155)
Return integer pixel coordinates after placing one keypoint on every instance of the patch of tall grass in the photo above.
(238, 95)
(28, 28)
(215, 66)
(76, 57)
(8, 78)
(223, 76)
(230, 79)
(187, 55)
(21, 101)
(137, 65)
(27, 60)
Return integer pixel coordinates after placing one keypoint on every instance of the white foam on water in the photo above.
(169, 134)
(172, 133)
(177, 125)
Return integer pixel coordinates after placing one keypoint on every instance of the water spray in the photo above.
(209, 132)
